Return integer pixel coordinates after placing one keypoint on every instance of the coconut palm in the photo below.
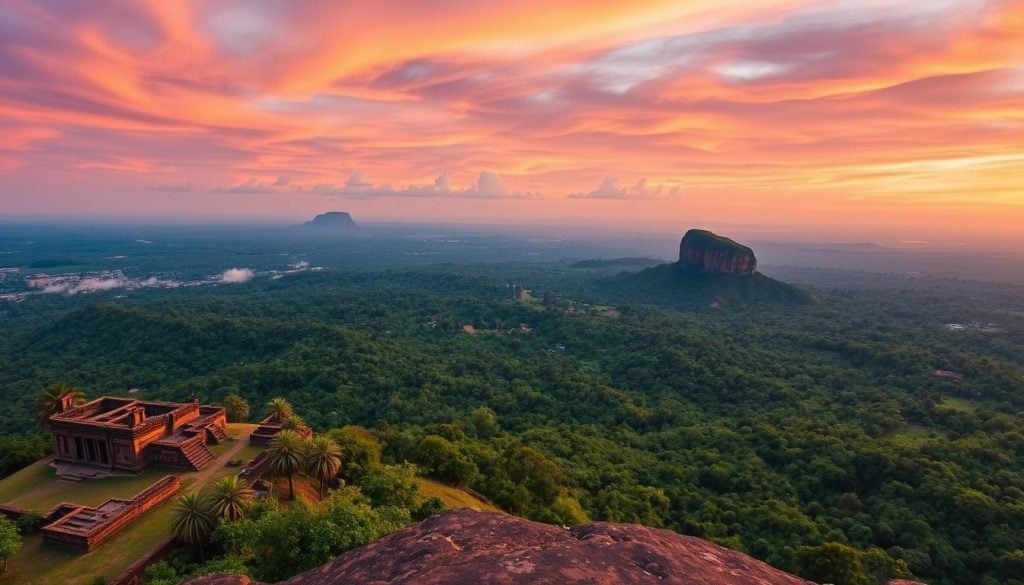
(48, 402)
(293, 423)
(323, 460)
(286, 456)
(192, 522)
(229, 498)
(279, 408)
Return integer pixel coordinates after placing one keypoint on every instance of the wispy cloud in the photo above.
(172, 187)
(829, 102)
(251, 186)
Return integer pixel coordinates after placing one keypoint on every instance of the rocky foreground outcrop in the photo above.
(705, 251)
(466, 547)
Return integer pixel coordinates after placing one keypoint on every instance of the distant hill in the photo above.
(602, 263)
(675, 284)
(331, 220)
(712, 271)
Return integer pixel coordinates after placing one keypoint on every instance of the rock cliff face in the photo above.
(465, 547)
(331, 219)
(708, 252)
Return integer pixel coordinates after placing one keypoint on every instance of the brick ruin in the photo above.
(84, 527)
(127, 435)
(269, 428)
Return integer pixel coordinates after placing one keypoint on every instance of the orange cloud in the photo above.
(831, 108)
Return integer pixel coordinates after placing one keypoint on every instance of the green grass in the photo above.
(38, 563)
(37, 488)
(452, 497)
(957, 404)
(913, 436)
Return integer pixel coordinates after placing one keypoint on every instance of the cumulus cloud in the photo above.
(282, 181)
(610, 188)
(487, 185)
(442, 182)
(236, 275)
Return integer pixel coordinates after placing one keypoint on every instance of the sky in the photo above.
(850, 119)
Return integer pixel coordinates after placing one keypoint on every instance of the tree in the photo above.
(17, 452)
(48, 402)
(192, 522)
(10, 541)
(362, 451)
(831, 562)
(229, 498)
(286, 457)
(485, 422)
(442, 459)
(323, 460)
(280, 408)
(293, 422)
(237, 408)
(392, 485)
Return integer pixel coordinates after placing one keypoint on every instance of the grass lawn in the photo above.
(38, 563)
(452, 497)
(37, 488)
(957, 404)
(913, 436)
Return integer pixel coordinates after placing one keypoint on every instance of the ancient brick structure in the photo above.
(83, 527)
(269, 428)
(122, 434)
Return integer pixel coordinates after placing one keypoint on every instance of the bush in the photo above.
(429, 507)
(29, 522)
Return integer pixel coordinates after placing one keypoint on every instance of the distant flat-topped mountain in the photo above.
(705, 251)
(712, 270)
(331, 220)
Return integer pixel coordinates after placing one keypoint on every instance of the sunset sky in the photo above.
(859, 118)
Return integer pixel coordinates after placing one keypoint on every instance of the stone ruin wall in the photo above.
(86, 540)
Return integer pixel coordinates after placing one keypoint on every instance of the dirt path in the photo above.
(201, 477)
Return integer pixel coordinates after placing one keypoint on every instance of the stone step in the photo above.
(217, 433)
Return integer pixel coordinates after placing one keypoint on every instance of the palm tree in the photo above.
(48, 402)
(192, 522)
(229, 498)
(293, 423)
(323, 460)
(286, 456)
(279, 408)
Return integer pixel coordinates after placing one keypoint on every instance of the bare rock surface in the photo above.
(466, 547)
(705, 251)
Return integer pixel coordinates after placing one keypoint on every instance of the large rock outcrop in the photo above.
(332, 220)
(705, 251)
(465, 547)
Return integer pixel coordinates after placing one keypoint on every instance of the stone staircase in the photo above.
(197, 454)
(216, 434)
